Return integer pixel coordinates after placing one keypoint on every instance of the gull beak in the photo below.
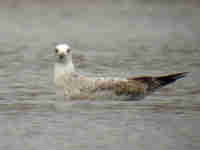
(61, 56)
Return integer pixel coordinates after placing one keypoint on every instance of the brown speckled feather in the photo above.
(138, 86)
(156, 82)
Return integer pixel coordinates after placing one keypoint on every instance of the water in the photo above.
(109, 38)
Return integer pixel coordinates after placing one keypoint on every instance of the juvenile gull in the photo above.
(77, 86)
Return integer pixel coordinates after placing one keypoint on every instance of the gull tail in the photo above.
(157, 82)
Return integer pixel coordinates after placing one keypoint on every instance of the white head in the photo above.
(63, 53)
(63, 65)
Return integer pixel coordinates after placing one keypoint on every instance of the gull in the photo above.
(78, 86)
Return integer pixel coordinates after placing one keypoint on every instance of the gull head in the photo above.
(63, 53)
(63, 64)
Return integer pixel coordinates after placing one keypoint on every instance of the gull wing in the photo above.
(137, 86)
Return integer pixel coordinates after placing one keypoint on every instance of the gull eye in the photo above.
(68, 50)
(56, 50)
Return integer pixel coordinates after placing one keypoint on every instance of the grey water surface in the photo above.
(109, 38)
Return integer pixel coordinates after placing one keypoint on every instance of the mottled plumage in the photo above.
(77, 86)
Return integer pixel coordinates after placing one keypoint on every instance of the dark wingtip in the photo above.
(160, 81)
(164, 80)
(181, 75)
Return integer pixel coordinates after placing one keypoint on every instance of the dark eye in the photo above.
(56, 50)
(68, 50)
